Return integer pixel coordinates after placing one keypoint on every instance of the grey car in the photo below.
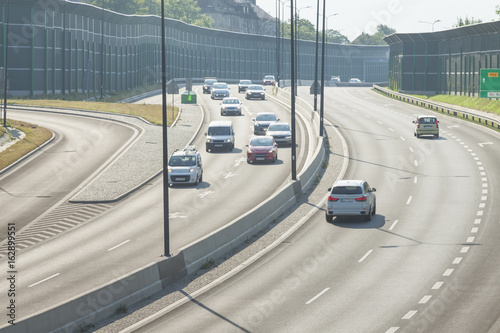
(280, 132)
(426, 125)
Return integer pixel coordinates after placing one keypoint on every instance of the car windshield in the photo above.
(347, 190)
(219, 131)
(255, 88)
(266, 117)
(269, 78)
(231, 101)
(245, 82)
(427, 120)
(220, 86)
(261, 141)
(279, 127)
(209, 82)
(182, 161)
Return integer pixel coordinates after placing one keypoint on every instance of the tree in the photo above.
(461, 22)
(307, 31)
(375, 39)
(183, 10)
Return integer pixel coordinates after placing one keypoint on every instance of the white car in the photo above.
(354, 80)
(220, 90)
(185, 167)
(280, 132)
(230, 105)
(351, 198)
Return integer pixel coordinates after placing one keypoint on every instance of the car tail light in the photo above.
(330, 198)
(363, 198)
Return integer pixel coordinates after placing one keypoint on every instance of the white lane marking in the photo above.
(415, 180)
(480, 213)
(457, 260)
(122, 243)
(317, 296)
(402, 138)
(485, 143)
(483, 198)
(465, 249)
(394, 224)
(448, 272)
(378, 121)
(425, 299)
(437, 285)
(176, 216)
(411, 149)
(390, 129)
(228, 175)
(409, 200)
(416, 163)
(485, 191)
(50, 277)
(470, 239)
(484, 179)
(204, 194)
(477, 221)
(409, 314)
(238, 161)
(365, 256)
(392, 330)
(474, 230)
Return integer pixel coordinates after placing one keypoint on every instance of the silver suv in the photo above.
(351, 198)
(185, 166)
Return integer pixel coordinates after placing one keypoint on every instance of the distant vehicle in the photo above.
(262, 121)
(354, 80)
(262, 148)
(268, 80)
(185, 167)
(426, 125)
(243, 85)
(280, 132)
(230, 105)
(220, 135)
(207, 85)
(351, 198)
(334, 80)
(220, 90)
(255, 91)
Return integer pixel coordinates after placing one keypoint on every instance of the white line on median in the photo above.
(317, 296)
(114, 247)
(50, 277)
(366, 255)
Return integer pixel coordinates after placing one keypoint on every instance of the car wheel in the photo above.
(369, 216)
(329, 218)
(436, 135)
(201, 177)
(374, 208)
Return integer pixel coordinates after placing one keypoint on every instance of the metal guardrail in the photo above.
(445, 109)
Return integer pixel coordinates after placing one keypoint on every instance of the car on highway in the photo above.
(220, 90)
(354, 80)
(243, 85)
(351, 198)
(334, 80)
(185, 167)
(230, 105)
(220, 136)
(262, 148)
(268, 80)
(255, 91)
(262, 121)
(207, 84)
(280, 132)
(426, 125)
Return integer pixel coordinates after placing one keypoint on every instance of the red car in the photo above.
(268, 80)
(262, 148)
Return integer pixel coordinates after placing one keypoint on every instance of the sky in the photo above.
(353, 17)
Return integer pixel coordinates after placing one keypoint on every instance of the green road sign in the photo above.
(490, 83)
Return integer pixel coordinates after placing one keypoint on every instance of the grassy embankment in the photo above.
(36, 136)
(482, 104)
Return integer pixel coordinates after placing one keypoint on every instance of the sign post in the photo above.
(489, 83)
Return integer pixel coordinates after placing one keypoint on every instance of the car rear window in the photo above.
(427, 120)
(347, 190)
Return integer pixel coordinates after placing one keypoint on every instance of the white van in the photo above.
(220, 135)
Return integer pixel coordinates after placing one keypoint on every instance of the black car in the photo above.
(262, 121)
(243, 85)
(207, 85)
(255, 91)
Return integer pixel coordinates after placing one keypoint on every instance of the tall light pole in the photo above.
(294, 89)
(166, 226)
(6, 67)
(316, 60)
(431, 23)
(298, 52)
(321, 114)
(326, 26)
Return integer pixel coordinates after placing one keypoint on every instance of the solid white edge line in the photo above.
(50, 277)
(393, 225)
(317, 296)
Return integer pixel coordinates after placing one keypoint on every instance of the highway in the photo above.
(129, 235)
(427, 262)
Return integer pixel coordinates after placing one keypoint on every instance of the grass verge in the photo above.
(476, 103)
(35, 137)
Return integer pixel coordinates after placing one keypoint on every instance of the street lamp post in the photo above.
(431, 23)
(298, 52)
